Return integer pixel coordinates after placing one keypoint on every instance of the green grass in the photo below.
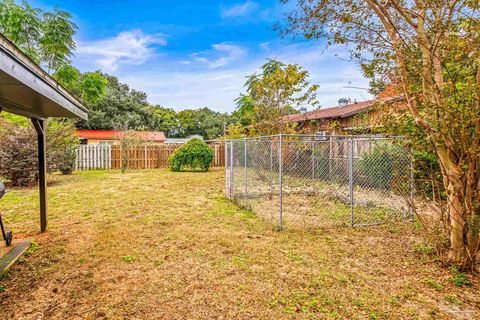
(159, 245)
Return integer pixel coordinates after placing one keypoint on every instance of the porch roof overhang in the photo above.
(27, 90)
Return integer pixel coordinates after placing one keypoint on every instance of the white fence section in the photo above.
(94, 156)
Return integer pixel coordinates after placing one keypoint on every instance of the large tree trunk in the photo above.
(455, 207)
(457, 253)
(463, 210)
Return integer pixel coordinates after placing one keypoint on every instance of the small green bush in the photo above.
(194, 155)
(460, 279)
(385, 164)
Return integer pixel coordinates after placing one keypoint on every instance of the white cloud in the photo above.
(132, 47)
(239, 9)
(264, 45)
(222, 54)
(217, 88)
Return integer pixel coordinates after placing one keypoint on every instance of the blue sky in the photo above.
(191, 54)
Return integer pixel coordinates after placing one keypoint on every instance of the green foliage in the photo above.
(69, 77)
(195, 154)
(430, 50)
(61, 146)
(18, 150)
(117, 103)
(203, 121)
(433, 283)
(459, 279)
(382, 166)
(46, 37)
(90, 87)
(274, 93)
(18, 154)
(128, 258)
(453, 299)
(235, 131)
(245, 112)
(423, 248)
(428, 175)
(56, 42)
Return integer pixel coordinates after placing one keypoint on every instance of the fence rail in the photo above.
(98, 156)
(311, 181)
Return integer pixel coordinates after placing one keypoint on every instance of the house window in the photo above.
(83, 141)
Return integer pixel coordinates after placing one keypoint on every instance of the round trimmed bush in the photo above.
(194, 155)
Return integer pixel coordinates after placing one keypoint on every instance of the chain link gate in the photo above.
(315, 181)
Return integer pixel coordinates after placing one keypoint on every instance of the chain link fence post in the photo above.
(232, 178)
(246, 171)
(271, 167)
(280, 181)
(350, 180)
(313, 165)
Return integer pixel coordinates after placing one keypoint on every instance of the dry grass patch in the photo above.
(160, 245)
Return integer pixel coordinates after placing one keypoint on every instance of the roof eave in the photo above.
(16, 65)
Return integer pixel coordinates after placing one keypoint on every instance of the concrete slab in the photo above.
(8, 255)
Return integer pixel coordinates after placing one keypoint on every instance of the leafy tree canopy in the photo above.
(46, 37)
(275, 92)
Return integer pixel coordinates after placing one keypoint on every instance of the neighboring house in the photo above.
(90, 136)
(350, 118)
(183, 140)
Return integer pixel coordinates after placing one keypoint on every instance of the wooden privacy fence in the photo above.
(138, 156)
(94, 156)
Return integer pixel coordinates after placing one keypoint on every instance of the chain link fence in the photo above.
(316, 181)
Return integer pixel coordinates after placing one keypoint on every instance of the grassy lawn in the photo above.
(160, 245)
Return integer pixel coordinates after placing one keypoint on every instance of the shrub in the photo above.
(385, 164)
(18, 150)
(61, 146)
(195, 154)
(18, 154)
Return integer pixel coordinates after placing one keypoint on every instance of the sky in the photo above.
(193, 54)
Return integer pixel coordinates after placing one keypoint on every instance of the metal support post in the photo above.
(412, 187)
(42, 171)
(350, 181)
(313, 165)
(280, 180)
(271, 166)
(232, 178)
(246, 171)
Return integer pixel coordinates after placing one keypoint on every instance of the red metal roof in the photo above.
(338, 112)
(157, 136)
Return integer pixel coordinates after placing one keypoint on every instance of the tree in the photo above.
(56, 41)
(204, 121)
(46, 37)
(90, 87)
(274, 93)
(245, 112)
(117, 105)
(127, 138)
(432, 49)
(166, 120)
